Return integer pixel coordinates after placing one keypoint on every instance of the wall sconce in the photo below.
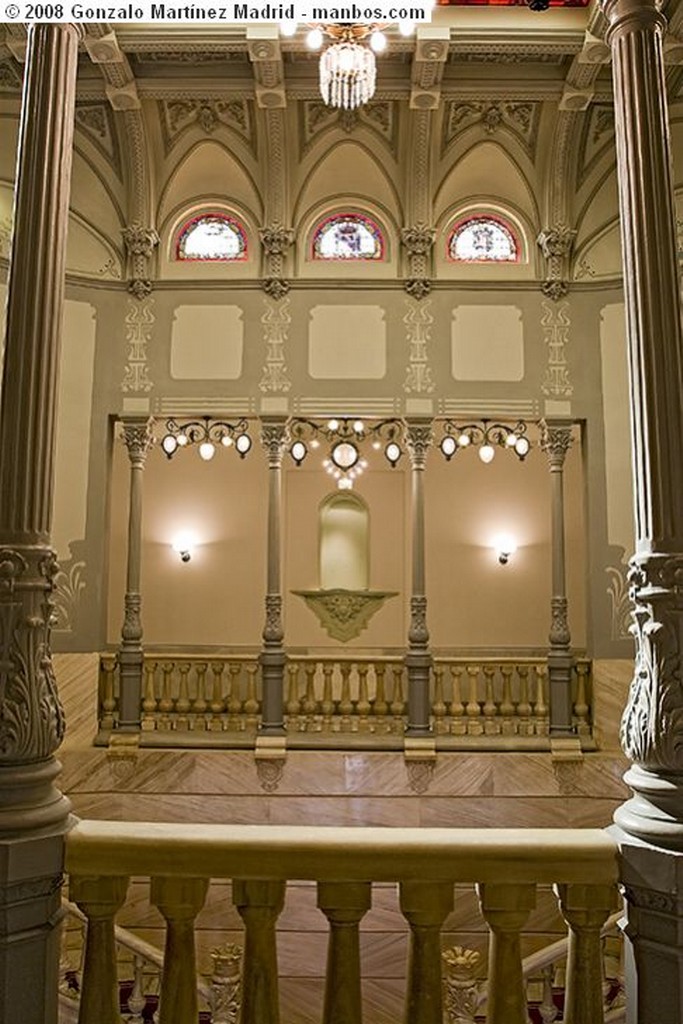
(345, 437)
(184, 544)
(207, 434)
(486, 437)
(505, 546)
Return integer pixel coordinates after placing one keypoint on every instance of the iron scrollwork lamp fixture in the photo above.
(207, 434)
(487, 437)
(345, 436)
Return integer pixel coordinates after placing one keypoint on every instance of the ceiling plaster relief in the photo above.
(207, 115)
(379, 116)
(522, 119)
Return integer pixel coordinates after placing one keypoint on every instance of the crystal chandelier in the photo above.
(347, 72)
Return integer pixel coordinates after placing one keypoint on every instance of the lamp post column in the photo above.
(274, 439)
(138, 438)
(33, 813)
(419, 437)
(650, 825)
(556, 440)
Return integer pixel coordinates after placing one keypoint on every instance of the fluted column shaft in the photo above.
(33, 813)
(138, 438)
(419, 437)
(274, 439)
(652, 726)
(556, 440)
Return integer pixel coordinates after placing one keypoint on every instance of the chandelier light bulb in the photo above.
(169, 444)
(226, 440)
(522, 447)
(378, 41)
(449, 447)
(288, 28)
(182, 440)
(348, 74)
(314, 39)
(344, 454)
(376, 445)
(344, 483)
(358, 426)
(315, 443)
(333, 425)
(511, 440)
(207, 451)
(486, 453)
(464, 440)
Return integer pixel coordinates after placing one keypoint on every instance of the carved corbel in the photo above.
(556, 244)
(140, 244)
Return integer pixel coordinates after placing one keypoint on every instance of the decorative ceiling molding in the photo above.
(190, 56)
(11, 76)
(263, 43)
(206, 115)
(96, 122)
(597, 139)
(380, 116)
(431, 53)
(521, 119)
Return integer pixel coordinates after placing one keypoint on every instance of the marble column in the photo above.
(651, 823)
(419, 437)
(138, 439)
(33, 813)
(274, 440)
(556, 440)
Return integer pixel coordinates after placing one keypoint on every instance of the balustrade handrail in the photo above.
(327, 853)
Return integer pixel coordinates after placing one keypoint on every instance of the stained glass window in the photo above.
(348, 236)
(212, 237)
(483, 240)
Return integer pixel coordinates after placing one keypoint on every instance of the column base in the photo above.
(272, 662)
(654, 814)
(30, 803)
(418, 666)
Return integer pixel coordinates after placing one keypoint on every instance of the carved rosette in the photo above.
(418, 634)
(140, 244)
(556, 244)
(652, 724)
(31, 716)
(273, 631)
(138, 439)
(556, 440)
(274, 438)
(419, 439)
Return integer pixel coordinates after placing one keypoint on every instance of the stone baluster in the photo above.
(217, 704)
(473, 707)
(425, 906)
(363, 707)
(505, 909)
(33, 813)
(99, 899)
(547, 1009)
(344, 904)
(182, 704)
(457, 709)
(556, 440)
(309, 704)
(138, 439)
(199, 704)
(327, 703)
(418, 659)
(398, 704)
(581, 708)
(540, 706)
(259, 904)
(380, 706)
(490, 709)
(274, 440)
(108, 705)
(345, 708)
(166, 702)
(137, 999)
(234, 699)
(293, 704)
(523, 705)
(507, 708)
(149, 701)
(439, 704)
(251, 704)
(179, 900)
(585, 908)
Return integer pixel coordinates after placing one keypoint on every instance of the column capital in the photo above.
(631, 16)
(556, 440)
(138, 437)
(419, 437)
(274, 438)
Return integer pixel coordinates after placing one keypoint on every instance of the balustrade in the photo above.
(431, 866)
(472, 700)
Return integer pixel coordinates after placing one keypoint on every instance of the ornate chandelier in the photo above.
(348, 72)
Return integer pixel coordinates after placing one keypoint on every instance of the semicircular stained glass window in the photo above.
(213, 237)
(348, 236)
(483, 239)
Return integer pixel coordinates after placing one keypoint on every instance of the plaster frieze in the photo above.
(520, 118)
(207, 115)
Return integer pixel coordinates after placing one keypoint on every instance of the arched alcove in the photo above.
(344, 529)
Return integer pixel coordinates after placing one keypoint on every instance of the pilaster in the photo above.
(274, 436)
(419, 437)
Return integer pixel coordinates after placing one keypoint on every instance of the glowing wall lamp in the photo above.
(184, 544)
(505, 546)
